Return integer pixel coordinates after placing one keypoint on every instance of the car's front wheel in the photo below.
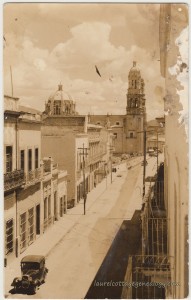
(33, 290)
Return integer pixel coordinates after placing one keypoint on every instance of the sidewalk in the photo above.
(59, 229)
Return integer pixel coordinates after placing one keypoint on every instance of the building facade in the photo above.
(77, 146)
(126, 128)
(13, 176)
(173, 29)
(24, 180)
(156, 134)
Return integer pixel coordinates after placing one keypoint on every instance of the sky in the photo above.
(49, 43)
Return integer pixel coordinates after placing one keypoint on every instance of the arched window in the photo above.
(56, 109)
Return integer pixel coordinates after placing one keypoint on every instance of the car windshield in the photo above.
(30, 266)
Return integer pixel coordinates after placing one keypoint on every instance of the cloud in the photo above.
(40, 64)
(89, 44)
(37, 69)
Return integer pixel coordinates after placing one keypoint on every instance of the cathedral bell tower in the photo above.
(135, 94)
(135, 119)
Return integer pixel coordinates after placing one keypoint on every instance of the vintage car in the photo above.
(142, 163)
(33, 273)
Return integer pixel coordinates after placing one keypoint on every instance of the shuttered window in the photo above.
(9, 236)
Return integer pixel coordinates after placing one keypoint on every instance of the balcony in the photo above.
(33, 176)
(96, 157)
(13, 180)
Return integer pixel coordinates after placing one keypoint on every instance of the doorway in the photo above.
(61, 207)
(38, 219)
(55, 206)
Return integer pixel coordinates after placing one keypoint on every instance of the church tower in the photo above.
(135, 120)
(135, 95)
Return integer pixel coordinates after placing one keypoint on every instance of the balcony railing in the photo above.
(33, 176)
(96, 156)
(13, 180)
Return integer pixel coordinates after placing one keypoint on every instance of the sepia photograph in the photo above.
(95, 150)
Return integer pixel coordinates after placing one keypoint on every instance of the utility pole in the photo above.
(111, 169)
(144, 166)
(144, 156)
(84, 153)
(157, 153)
(106, 173)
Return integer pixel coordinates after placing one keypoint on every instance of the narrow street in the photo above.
(74, 263)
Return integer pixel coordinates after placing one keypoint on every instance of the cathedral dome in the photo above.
(60, 103)
(60, 95)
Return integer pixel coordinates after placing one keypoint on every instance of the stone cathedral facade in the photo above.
(127, 129)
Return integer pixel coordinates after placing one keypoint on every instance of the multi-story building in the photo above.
(61, 139)
(54, 190)
(174, 68)
(100, 144)
(24, 178)
(13, 176)
(164, 255)
(23, 174)
(76, 145)
(163, 262)
(156, 134)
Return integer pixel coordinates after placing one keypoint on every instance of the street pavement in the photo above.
(77, 244)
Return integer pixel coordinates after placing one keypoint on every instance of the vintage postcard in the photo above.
(95, 150)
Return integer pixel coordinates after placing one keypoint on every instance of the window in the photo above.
(98, 123)
(22, 159)
(115, 135)
(23, 231)
(117, 123)
(31, 224)
(29, 159)
(36, 158)
(135, 84)
(49, 206)
(9, 236)
(57, 110)
(9, 158)
(131, 135)
(61, 207)
(45, 208)
(57, 107)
